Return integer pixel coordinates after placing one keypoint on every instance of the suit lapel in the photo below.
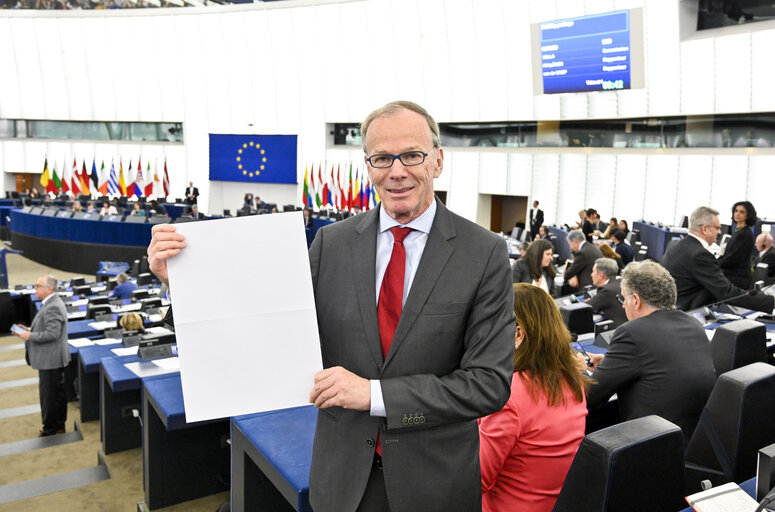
(363, 248)
(434, 257)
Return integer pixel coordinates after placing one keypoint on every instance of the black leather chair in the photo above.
(578, 318)
(738, 344)
(635, 465)
(735, 423)
(7, 312)
(93, 310)
(139, 294)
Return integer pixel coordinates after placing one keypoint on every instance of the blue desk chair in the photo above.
(635, 465)
(735, 423)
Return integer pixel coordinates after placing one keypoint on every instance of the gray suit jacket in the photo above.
(47, 347)
(450, 363)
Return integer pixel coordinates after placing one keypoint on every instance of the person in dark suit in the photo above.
(659, 362)
(192, 193)
(417, 348)
(697, 275)
(621, 247)
(604, 274)
(579, 273)
(590, 224)
(307, 218)
(196, 213)
(735, 263)
(765, 254)
(536, 219)
(49, 353)
(535, 266)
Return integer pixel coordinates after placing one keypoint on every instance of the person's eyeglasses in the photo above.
(714, 227)
(621, 298)
(385, 160)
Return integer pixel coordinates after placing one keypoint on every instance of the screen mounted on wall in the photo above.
(599, 52)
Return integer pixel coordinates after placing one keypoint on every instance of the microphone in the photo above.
(749, 293)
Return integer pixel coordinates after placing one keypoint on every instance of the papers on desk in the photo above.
(158, 330)
(245, 316)
(722, 499)
(135, 306)
(168, 363)
(125, 351)
(79, 302)
(101, 326)
(107, 341)
(81, 342)
(147, 369)
(76, 315)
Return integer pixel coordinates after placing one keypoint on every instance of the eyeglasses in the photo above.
(713, 226)
(385, 160)
(621, 298)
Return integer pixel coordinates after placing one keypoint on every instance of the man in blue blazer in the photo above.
(400, 393)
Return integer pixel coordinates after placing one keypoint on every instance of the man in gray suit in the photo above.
(416, 332)
(48, 352)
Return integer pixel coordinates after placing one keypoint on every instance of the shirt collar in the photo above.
(703, 242)
(48, 298)
(422, 223)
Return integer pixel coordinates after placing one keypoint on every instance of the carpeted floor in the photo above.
(121, 492)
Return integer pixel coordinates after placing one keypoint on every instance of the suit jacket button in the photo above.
(405, 421)
(422, 419)
(370, 442)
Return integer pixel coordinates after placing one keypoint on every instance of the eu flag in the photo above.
(253, 158)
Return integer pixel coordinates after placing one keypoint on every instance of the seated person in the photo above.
(308, 218)
(604, 274)
(659, 362)
(158, 209)
(108, 209)
(77, 206)
(608, 252)
(698, 277)
(579, 273)
(131, 322)
(137, 210)
(621, 247)
(124, 288)
(527, 448)
(196, 213)
(545, 234)
(90, 208)
(612, 226)
(624, 228)
(535, 266)
(766, 255)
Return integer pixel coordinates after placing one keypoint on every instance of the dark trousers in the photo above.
(375, 496)
(53, 404)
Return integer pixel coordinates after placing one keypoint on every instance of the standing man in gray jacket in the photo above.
(47, 351)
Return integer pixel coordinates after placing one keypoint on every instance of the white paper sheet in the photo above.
(135, 306)
(722, 499)
(158, 330)
(81, 342)
(146, 369)
(79, 302)
(107, 341)
(245, 316)
(125, 351)
(168, 363)
(101, 326)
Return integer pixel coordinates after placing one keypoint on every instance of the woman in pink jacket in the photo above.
(528, 446)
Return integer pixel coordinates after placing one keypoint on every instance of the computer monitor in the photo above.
(136, 219)
(684, 222)
(77, 281)
(724, 240)
(50, 212)
(65, 214)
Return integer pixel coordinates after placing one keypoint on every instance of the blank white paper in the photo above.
(245, 316)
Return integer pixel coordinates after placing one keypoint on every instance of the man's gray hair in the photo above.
(51, 282)
(392, 108)
(608, 267)
(576, 236)
(122, 278)
(653, 284)
(702, 216)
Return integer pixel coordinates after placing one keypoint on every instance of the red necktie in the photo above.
(392, 290)
(390, 294)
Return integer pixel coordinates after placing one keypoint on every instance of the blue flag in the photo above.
(112, 181)
(253, 158)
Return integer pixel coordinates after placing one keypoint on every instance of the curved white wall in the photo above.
(292, 67)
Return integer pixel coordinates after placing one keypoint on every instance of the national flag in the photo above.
(340, 192)
(45, 177)
(55, 178)
(306, 198)
(366, 194)
(326, 195)
(356, 195)
(84, 180)
(350, 189)
(166, 181)
(65, 179)
(75, 180)
(138, 185)
(149, 180)
(318, 201)
(102, 183)
(112, 181)
(157, 186)
(330, 186)
(121, 182)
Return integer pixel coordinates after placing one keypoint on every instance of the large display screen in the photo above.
(600, 52)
